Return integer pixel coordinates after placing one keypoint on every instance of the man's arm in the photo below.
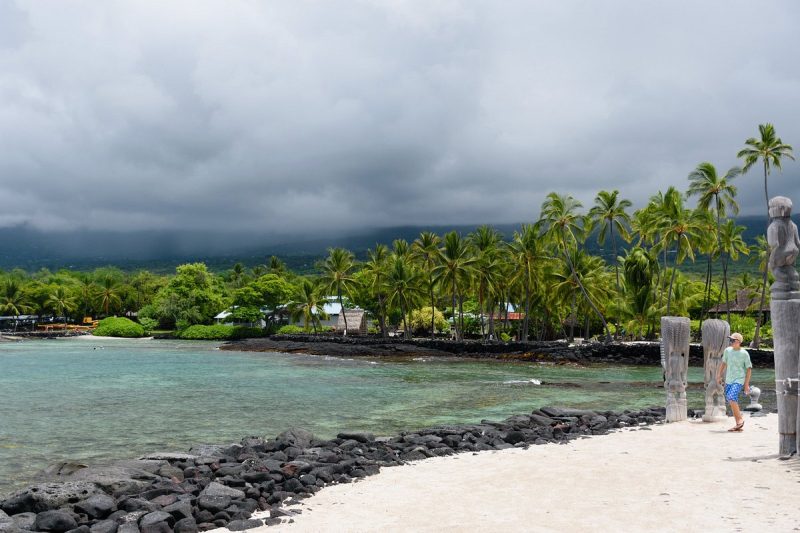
(747, 381)
(721, 372)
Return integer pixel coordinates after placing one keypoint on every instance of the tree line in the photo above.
(544, 271)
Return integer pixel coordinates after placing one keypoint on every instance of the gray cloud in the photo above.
(295, 116)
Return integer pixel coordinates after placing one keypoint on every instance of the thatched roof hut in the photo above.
(746, 301)
(356, 322)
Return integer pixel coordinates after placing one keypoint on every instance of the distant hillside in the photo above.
(160, 251)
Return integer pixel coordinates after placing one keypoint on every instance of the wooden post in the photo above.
(785, 309)
(675, 344)
(715, 340)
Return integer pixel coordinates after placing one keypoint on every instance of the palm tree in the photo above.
(681, 227)
(565, 226)
(13, 300)
(238, 275)
(760, 252)
(108, 294)
(717, 195)
(453, 270)
(639, 269)
(400, 248)
(609, 212)
(276, 266)
(309, 304)
(769, 148)
(376, 269)
(526, 250)
(403, 284)
(485, 240)
(425, 249)
(731, 245)
(337, 274)
(61, 302)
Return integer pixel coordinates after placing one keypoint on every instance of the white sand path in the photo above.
(688, 476)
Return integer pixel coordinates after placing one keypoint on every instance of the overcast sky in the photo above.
(292, 115)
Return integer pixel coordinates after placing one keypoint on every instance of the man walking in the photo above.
(737, 368)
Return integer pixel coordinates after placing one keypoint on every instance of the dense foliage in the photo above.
(218, 332)
(118, 327)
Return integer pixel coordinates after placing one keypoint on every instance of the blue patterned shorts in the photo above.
(732, 391)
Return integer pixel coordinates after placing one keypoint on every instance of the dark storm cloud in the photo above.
(295, 116)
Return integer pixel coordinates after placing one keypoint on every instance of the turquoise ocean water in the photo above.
(89, 399)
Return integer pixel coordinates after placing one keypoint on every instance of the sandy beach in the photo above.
(686, 476)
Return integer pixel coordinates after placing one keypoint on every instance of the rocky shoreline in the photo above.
(222, 486)
(632, 353)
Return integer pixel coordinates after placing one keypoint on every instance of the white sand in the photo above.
(688, 476)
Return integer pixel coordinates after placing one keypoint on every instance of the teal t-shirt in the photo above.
(737, 362)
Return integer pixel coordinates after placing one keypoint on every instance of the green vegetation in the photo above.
(218, 332)
(546, 281)
(118, 327)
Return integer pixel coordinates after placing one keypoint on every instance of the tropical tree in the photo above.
(485, 241)
(716, 195)
(770, 149)
(425, 250)
(681, 227)
(759, 252)
(639, 270)
(566, 227)
(731, 245)
(337, 275)
(609, 212)
(453, 270)
(404, 289)
(13, 300)
(61, 302)
(376, 269)
(108, 295)
(308, 304)
(526, 250)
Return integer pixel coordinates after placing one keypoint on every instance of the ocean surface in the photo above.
(88, 399)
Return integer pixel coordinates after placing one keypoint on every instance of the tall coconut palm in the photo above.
(401, 248)
(404, 288)
(13, 300)
(337, 275)
(61, 302)
(681, 228)
(453, 270)
(566, 228)
(639, 270)
(425, 250)
(308, 304)
(108, 294)
(485, 241)
(526, 251)
(759, 252)
(609, 212)
(731, 245)
(377, 268)
(770, 149)
(717, 195)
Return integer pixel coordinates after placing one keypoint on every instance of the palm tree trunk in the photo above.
(480, 312)
(461, 313)
(433, 303)
(586, 295)
(382, 315)
(406, 332)
(616, 271)
(671, 281)
(341, 304)
(573, 316)
(757, 337)
(524, 333)
(455, 320)
(725, 284)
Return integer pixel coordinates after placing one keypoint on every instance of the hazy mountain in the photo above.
(30, 249)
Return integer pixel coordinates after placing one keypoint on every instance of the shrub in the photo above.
(149, 324)
(290, 329)
(218, 332)
(420, 320)
(118, 327)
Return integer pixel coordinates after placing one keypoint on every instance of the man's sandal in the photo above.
(738, 427)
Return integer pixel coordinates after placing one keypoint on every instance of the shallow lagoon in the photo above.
(90, 399)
